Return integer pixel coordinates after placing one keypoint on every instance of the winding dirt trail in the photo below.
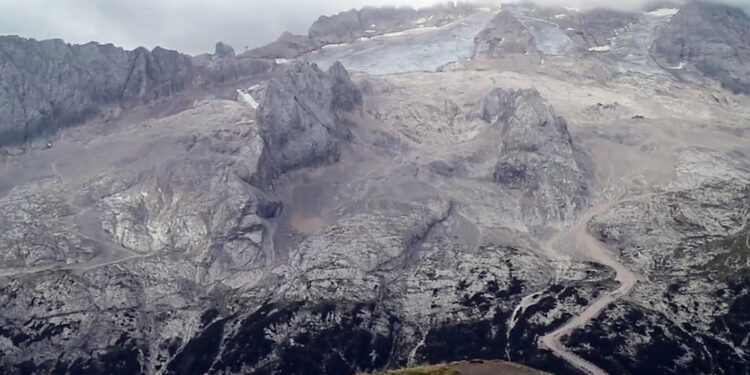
(577, 240)
(579, 237)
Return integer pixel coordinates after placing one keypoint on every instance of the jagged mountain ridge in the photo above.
(50, 84)
(464, 213)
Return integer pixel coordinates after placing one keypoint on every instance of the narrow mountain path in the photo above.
(577, 239)
(88, 223)
(578, 236)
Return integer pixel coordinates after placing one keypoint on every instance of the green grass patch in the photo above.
(423, 370)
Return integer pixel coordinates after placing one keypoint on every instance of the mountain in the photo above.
(566, 189)
(711, 39)
(49, 84)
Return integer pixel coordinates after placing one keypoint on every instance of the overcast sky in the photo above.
(191, 26)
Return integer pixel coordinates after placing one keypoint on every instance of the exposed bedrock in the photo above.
(537, 157)
(49, 84)
(303, 117)
(504, 34)
(712, 39)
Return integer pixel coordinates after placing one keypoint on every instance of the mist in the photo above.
(194, 26)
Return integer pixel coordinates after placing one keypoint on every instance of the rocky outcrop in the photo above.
(711, 38)
(223, 50)
(302, 116)
(503, 34)
(537, 156)
(224, 67)
(591, 28)
(47, 85)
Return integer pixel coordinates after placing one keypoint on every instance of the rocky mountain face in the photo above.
(47, 85)
(362, 23)
(538, 156)
(371, 21)
(557, 194)
(504, 34)
(301, 118)
(711, 39)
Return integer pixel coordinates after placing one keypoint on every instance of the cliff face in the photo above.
(537, 157)
(47, 85)
(301, 118)
(712, 39)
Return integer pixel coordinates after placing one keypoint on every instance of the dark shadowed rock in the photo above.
(223, 50)
(345, 26)
(346, 95)
(218, 70)
(156, 74)
(503, 34)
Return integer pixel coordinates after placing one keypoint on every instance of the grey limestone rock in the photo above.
(223, 50)
(503, 34)
(47, 85)
(537, 156)
(712, 38)
(302, 116)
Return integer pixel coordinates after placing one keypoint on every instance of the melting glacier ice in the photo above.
(419, 49)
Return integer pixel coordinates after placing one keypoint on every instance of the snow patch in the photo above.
(336, 45)
(416, 30)
(247, 98)
(560, 16)
(600, 49)
(282, 61)
(678, 67)
(664, 12)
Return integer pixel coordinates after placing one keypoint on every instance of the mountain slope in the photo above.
(529, 184)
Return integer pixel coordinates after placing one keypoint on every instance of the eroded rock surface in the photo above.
(560, 179)
(710, 38)
(49, 84)
(302, 116)
(504, 34)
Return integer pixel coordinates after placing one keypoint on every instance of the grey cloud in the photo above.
(629, 4)
(193, 26)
